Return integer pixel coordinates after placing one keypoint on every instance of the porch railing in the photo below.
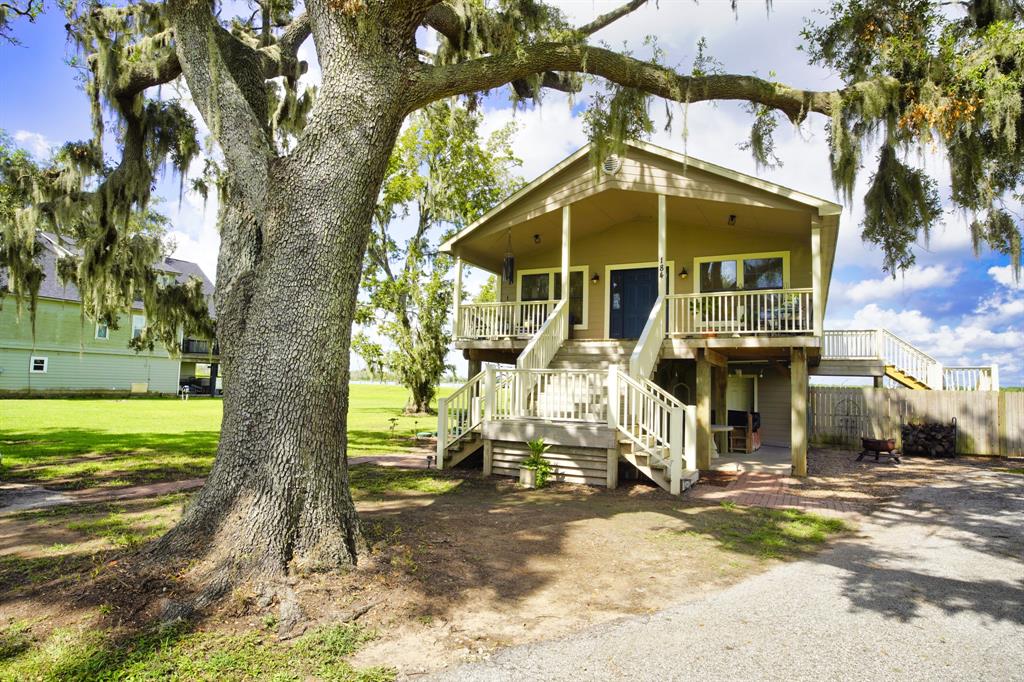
(777, 311)
(548, 339)
(459, 414)
(645, 356)
(883, 345)
(982, 378)
(510, 319)
(558, 394)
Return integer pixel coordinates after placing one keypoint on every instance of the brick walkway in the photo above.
(752, 489)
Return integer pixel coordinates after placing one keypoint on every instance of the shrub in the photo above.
(536, 461)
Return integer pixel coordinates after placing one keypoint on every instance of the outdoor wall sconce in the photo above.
(683, 274)
(536, 239)
(732, 219)
(595, 279)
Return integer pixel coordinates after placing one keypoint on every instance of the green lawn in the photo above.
(82, 443)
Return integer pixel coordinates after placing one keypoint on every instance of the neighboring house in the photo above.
(69, 353)
(657, 310)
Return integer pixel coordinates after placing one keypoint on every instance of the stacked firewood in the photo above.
(934, 440)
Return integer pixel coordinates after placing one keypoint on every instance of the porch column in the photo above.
(703, 411)
(798, 409)
(458, 299)
(818, 293)
(878, 383)
(719, 382)
(473, 368)
(662, 252)
(566, 220)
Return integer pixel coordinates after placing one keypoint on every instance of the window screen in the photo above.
(718, 276)
(575, 294)
(535, 287)
(762, 273)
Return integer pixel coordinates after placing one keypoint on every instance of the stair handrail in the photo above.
(653, 420)
(548, 339)
(909, 359)
(645, 355)
(458, 415)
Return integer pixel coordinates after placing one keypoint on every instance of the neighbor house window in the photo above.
(138, 324)
(546, 285)
(749, 272)
(38, 365)
(102, 331)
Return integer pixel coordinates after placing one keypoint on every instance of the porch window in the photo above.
(743, 272)
(546, 285)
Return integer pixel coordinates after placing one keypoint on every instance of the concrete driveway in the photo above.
(932, 588)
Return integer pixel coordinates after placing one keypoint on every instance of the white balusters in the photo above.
(778, 311)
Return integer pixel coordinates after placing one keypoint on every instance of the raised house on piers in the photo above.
(658, 314)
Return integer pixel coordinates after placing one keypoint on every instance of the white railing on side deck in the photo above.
(557, 394)
(459, 414)
(776, 311)
(517, 319)
(548, 339)
(983, 378)
(883, 345)
(655, 422)
(850, 344)
(645, 356)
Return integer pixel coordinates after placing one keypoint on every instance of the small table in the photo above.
(716, 429)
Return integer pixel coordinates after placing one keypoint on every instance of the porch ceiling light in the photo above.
(536, 239)
(732, 219)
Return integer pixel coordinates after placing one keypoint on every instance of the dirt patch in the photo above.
(458, 565)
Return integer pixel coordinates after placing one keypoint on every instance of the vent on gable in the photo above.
(612, 164)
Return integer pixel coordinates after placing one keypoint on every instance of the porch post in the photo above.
(719, 383)
(566, 220)
(798, 409)
(817, 292)
(456, 327)
(662, 253)
(703, 411)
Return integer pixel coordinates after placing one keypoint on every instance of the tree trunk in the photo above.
(277, 499)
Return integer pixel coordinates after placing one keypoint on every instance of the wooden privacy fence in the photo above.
(988, 422)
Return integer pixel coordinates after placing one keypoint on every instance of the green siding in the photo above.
(76, 359)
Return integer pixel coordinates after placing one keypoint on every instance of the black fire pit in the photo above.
(878, 447)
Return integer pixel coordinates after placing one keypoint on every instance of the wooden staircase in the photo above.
(905, 379)
(593, 355)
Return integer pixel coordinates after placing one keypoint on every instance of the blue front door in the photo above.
(633, 294)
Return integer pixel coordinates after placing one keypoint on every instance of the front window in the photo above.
(38, 365)
(547, 286)
(763, 273)
(575, 294)
(718, 275)
(535, 287)
(138, 325)
(746, 272)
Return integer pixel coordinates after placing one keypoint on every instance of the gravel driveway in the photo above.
(932, 588)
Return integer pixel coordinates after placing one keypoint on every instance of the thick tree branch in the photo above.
(437, 82)
(610, 17)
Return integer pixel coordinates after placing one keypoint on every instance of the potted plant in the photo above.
(534, 471)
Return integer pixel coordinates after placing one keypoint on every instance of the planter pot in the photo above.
(528, 478)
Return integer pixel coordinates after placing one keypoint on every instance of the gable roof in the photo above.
(822, 207)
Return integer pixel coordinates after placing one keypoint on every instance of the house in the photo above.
(655, 313)
(70, 354)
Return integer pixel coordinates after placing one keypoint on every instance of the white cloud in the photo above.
(39, 145)
(1004, 275)
(545, 134)
(914, 279)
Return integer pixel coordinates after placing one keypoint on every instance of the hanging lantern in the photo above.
(508, 268)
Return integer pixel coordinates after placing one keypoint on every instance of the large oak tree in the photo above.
(299, 175)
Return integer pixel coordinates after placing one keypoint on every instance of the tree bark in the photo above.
(277, 499)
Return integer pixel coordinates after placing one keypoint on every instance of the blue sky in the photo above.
(961, 308)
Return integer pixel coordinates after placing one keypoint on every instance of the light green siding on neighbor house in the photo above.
(75, 359)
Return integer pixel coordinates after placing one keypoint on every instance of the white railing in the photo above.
(777, 311)
(655, 422)
(517, 319)
(556, 394)
(459, 414)
(883, 345)
(645, 356)
(983, 378)
(548, 339)
(850, 344)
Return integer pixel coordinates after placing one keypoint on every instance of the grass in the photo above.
(81, 443)
(374, 480)
(764, 533)
(1011, 470)
(175, 653)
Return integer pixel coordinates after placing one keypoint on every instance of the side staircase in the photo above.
(593, 355)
